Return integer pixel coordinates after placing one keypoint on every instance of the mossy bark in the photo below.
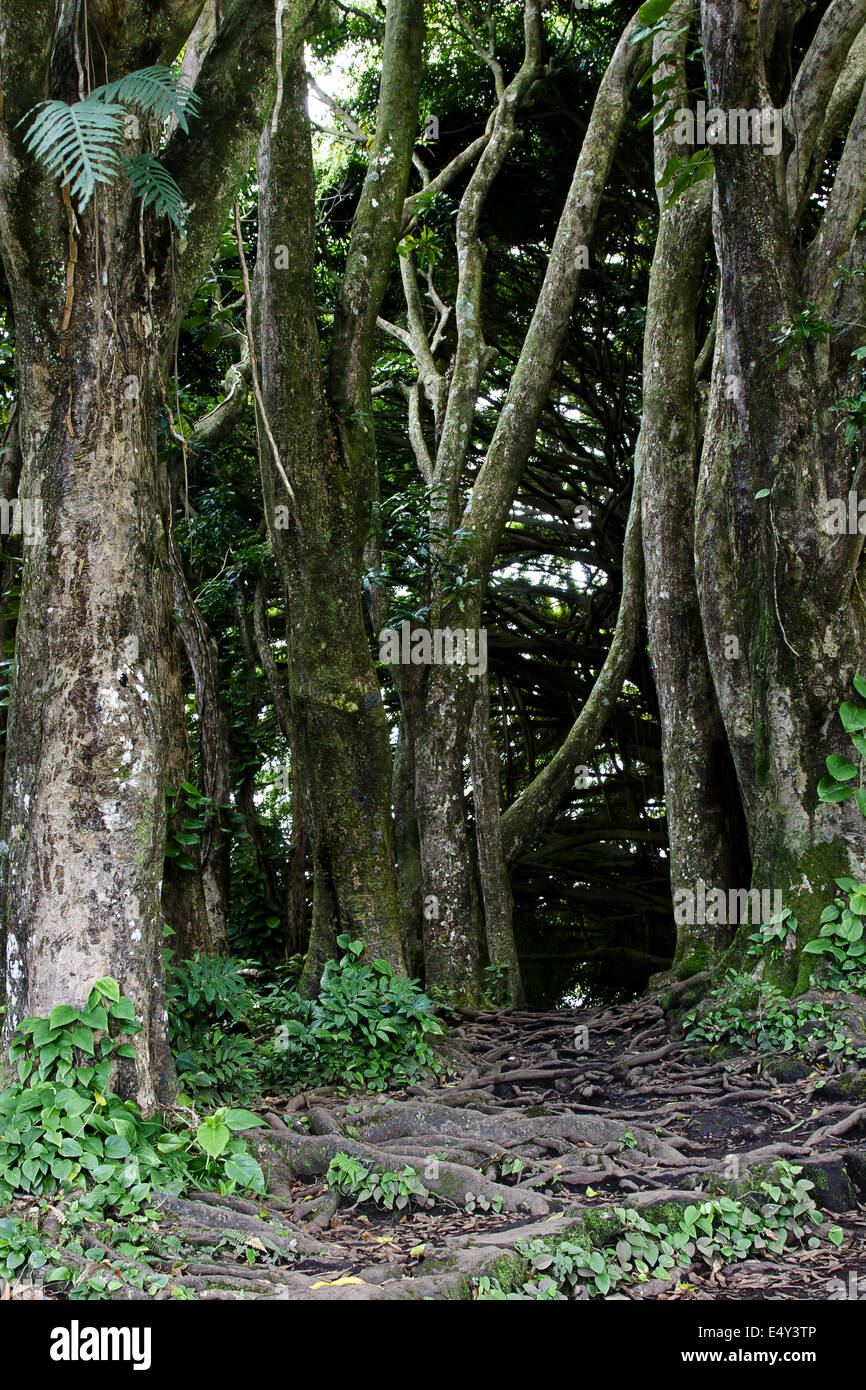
(768, 571)
(706, 828)
(322, 434)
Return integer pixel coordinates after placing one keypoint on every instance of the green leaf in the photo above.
(123, 1009)
(836, 1235)
(80, 143)
(853, 717)
(242, 1119)
(108, 988)
(83, 1038)
(157, 90)
(244, 1169)
(62, 1015)
(840, 768)
(654, 10)
(213, 1137)
(830, 790)
(860, 686)
(95, 1018)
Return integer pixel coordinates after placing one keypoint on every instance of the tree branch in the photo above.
(513, 439)
(813, 88)
(236, 85)
(528, 817)
(376, 227)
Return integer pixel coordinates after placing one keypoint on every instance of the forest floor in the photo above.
(622, 1114)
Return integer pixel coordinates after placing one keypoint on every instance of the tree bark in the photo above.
(492, 865)
(767, 568)
(323, 447)
(706, 831)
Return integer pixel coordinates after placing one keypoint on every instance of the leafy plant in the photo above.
(753, 1016)
(63, 1129)
(806, 326)
(838, 786)
(388, 1189)
(82, 143)
(187, 813)
(207, 997)
(367, 1027)
(840, 942)
(777, 1213)
(773, 934)
(496, 987)
(206, 991)
(681, 173)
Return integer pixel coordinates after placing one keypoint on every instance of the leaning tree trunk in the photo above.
(769, 572)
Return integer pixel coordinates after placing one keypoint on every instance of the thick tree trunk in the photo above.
(83, 812)
(768, 570)
(705, 823)
(338, 720)
(96, 294)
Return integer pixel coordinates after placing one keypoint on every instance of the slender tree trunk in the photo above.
(453, 922)
(338, 720)
(214, 850)
(407, 844)
(493, 869)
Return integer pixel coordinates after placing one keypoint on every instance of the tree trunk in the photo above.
(338, 720)
(493, 869)
(768, 571)
(83, 810)
(705, 823)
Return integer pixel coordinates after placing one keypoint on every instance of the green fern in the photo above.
(156, 187)
(157, 90)
(82, 142)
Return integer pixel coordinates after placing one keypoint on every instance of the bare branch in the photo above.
(528, 817)
(512, 442)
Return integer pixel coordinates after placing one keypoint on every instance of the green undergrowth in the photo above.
(238, 1031)
(67, 1136)
(749, 1015)
(623, 1247)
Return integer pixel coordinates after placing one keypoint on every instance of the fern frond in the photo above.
(80, 142)
(157, 90)
(156, 187)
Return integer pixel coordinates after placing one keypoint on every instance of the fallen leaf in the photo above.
(332, 1283)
